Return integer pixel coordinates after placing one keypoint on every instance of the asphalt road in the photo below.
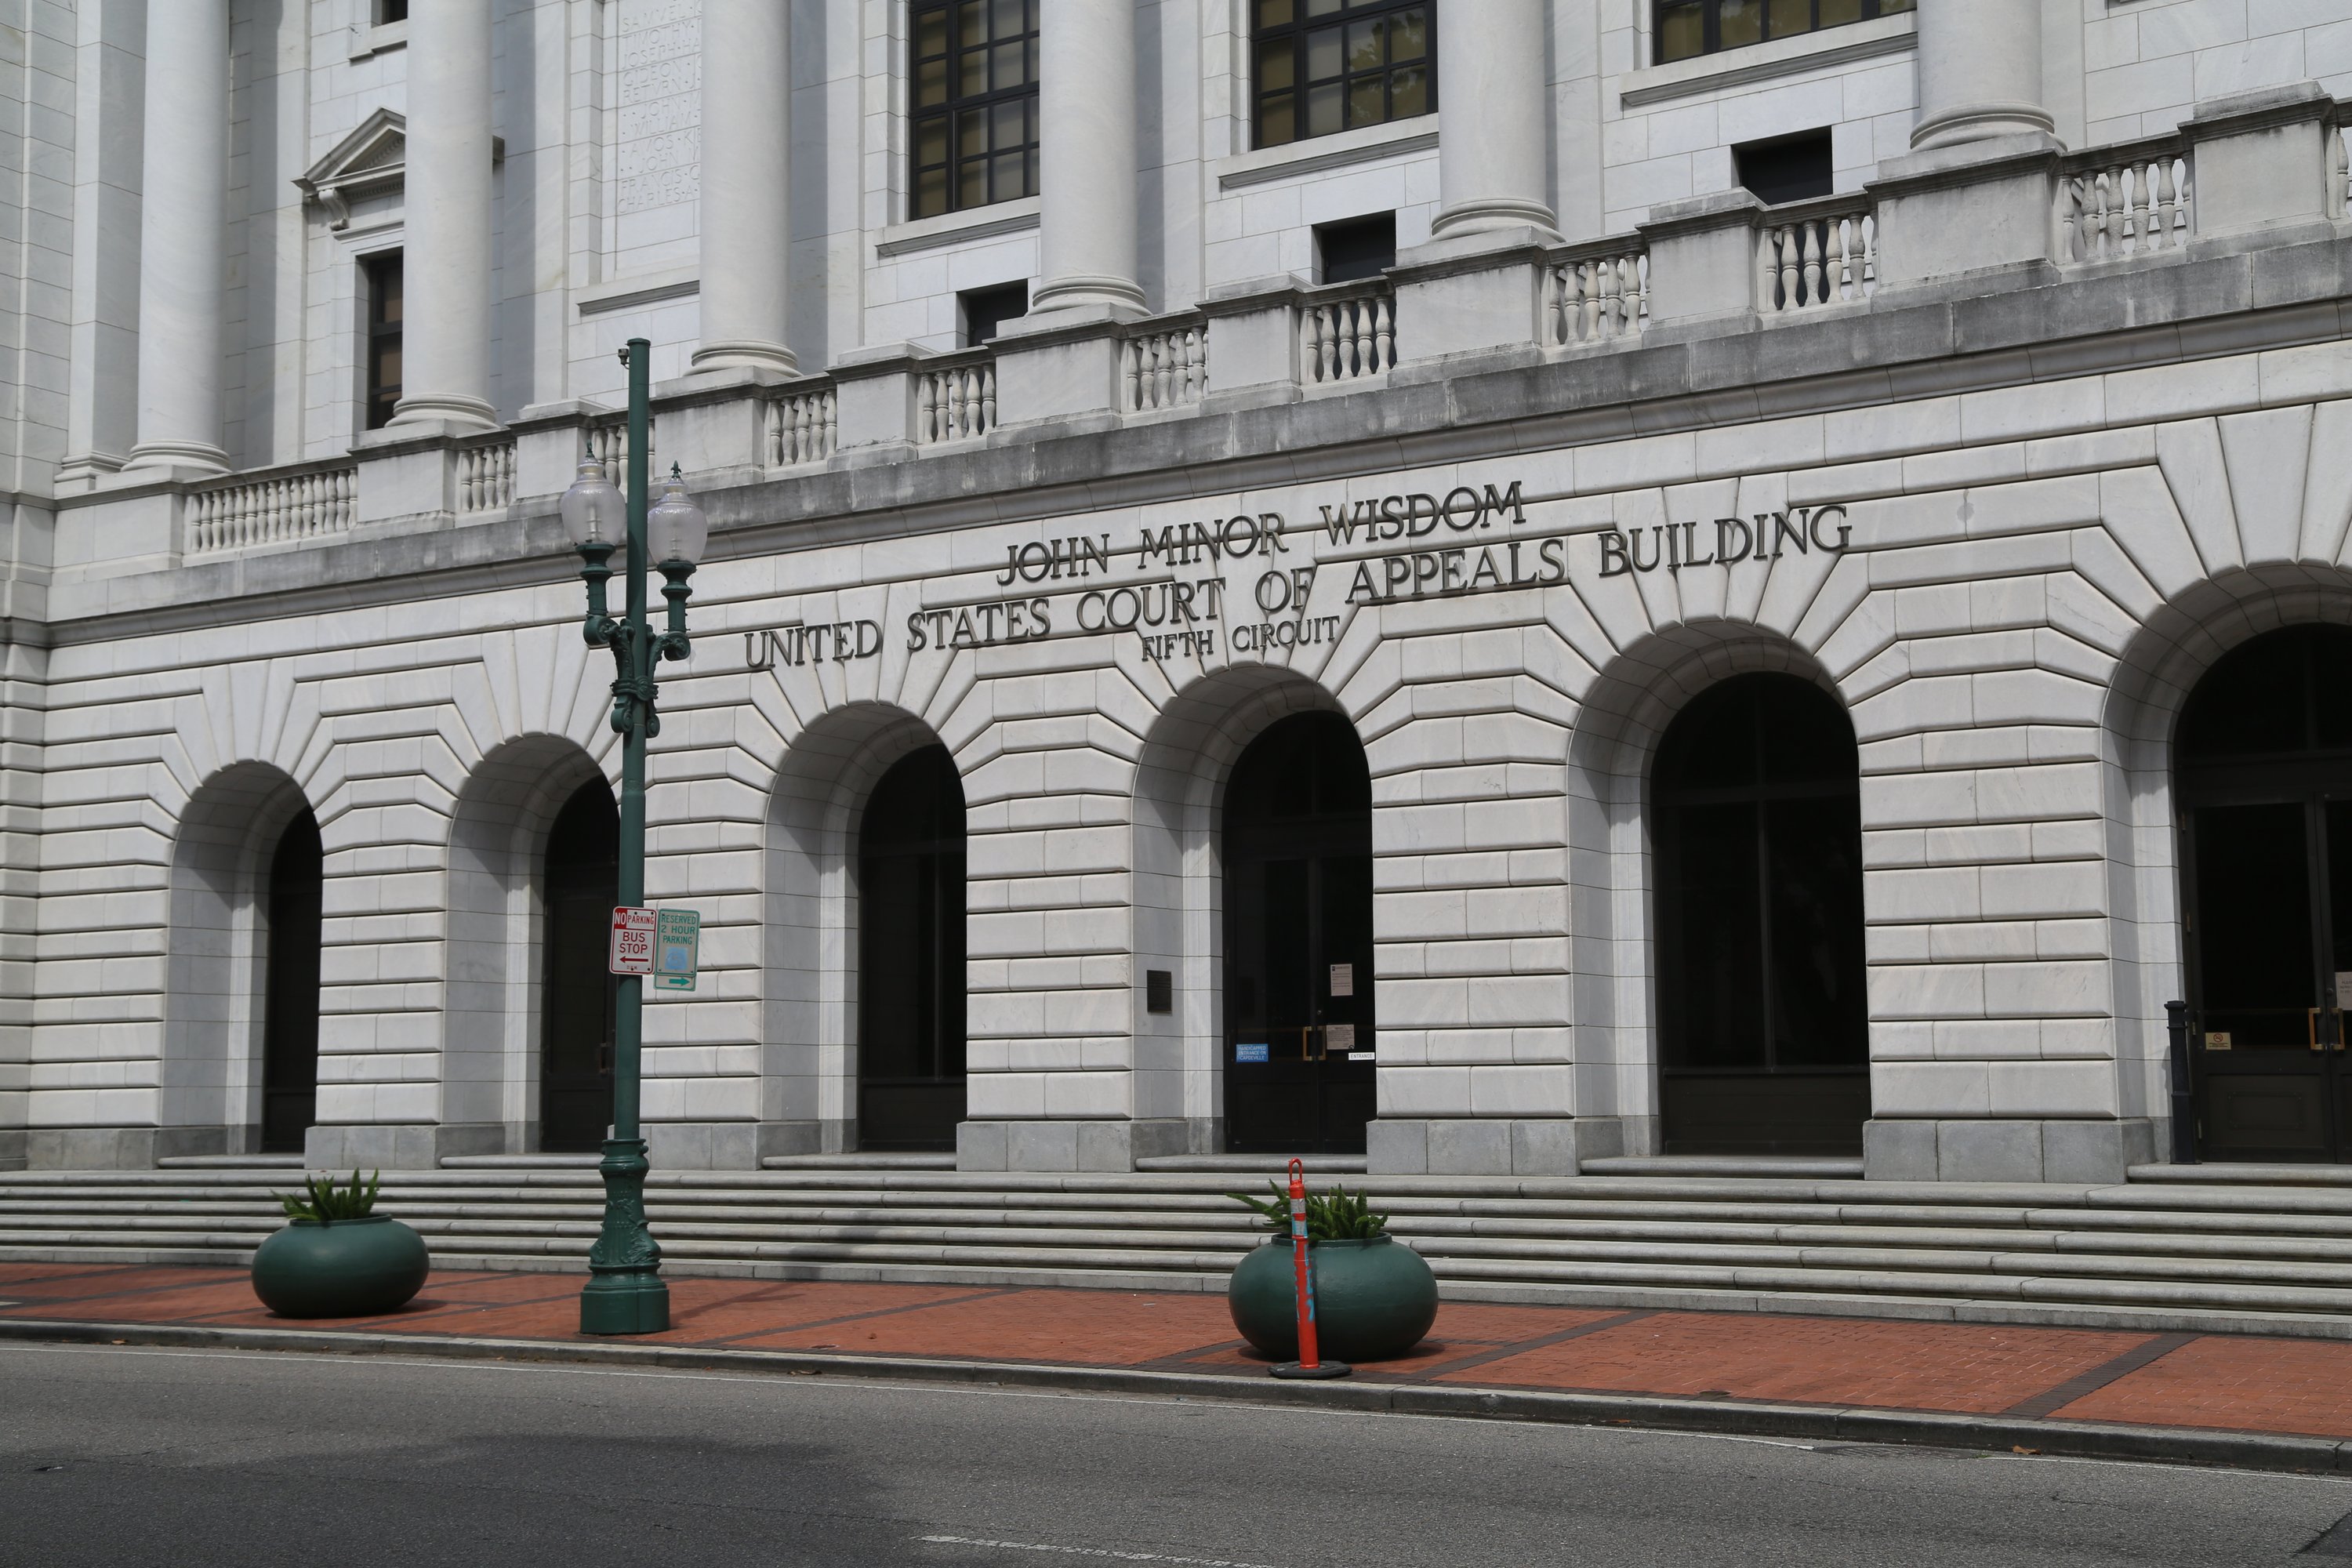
(130, 1457)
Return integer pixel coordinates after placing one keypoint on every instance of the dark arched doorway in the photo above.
(910, 971)
(289, 1028)
(1298, 861)
(580, 885)
(1763, 1029)
(2264, 772)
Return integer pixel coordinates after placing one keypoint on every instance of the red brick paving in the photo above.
(2224, 1382)
(2241, 1384)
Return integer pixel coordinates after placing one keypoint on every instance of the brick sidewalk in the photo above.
(2202, 1382)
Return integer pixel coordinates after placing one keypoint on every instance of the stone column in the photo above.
(746, 219)
(446, 343)
(1087, 156)
(182, 233)
(1980, 72)
(1491, 168)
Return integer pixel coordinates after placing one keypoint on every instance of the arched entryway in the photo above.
(1763, 1026)
(290, 1054)
(2264, 759)
(579, 884)
(910, 984)
(1296, 842)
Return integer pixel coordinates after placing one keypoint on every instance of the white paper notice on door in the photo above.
(2344, 989)
(1338, 1037)
(1343, 980)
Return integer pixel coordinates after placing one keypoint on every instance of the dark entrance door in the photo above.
(290, 1028)
(581, 884)
(2264, 763)
(1763, 1029)
(911, 989)
(1299, 1041)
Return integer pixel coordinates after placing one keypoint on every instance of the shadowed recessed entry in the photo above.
(910, 983)
(582, 884)
(1297, 842)
(289, 1030)
(2265, 783)
(1763, 1029)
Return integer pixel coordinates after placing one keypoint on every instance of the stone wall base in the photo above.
(1064, 1145)
(1490, 1147)
(121, 1147)
(383, 1146)
(12, 1149)
(733, 1145)
(1984, 1149)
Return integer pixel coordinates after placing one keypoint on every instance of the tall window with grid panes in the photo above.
(974, 70)
(1326, 66)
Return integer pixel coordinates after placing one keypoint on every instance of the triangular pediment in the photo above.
(371, 160)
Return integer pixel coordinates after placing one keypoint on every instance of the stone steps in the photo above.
(2225, 1253)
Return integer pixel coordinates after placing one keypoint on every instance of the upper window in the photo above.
(1688, 27)
(389, 11)
(1333, 65)
(975, 120)
(381, 275)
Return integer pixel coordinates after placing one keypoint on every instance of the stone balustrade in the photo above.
(1596, 294)
(956, 399)
(275, 506)
(2126, 200)
(1346, 332)
(1813, 254)
(803, 426)
(1164, 363)
(486, 475)
(2263, 168)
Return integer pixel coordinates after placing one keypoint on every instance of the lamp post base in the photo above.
(626, 1293)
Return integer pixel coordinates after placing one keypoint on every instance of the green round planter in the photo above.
(1374, 1298)
(340, 1267)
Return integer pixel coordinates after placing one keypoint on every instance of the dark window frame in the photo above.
(1270, 39)
(937, 101)
(1772, 22)
(380, 335)
(387, 12)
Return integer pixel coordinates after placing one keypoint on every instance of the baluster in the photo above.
(1309, 349)
(1384, 333)
(1327, 332)
(1813, 254)
(987, 399)
(2167, 197)
(830, 436)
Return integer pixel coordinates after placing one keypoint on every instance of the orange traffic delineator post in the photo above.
(1309, 1364)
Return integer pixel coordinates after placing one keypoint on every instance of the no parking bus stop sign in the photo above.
(663, 944)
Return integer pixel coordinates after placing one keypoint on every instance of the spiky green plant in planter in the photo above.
(1336, 1216)
(326, 1201)
(337, 1258)
(1374, 1297)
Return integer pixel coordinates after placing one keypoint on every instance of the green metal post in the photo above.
(626, 1293)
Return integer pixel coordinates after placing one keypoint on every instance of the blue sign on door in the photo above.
(1250, 1053)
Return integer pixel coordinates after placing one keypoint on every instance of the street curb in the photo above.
(1809, 1423)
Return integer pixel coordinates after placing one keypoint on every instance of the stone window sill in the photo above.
(1320, 153)
(956, 227)
(369, 42)
(1763, 62)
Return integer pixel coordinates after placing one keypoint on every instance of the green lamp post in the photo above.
(626, 1293)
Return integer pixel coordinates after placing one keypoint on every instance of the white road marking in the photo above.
(1103, 1551)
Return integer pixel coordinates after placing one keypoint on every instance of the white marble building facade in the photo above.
(2049, 396)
